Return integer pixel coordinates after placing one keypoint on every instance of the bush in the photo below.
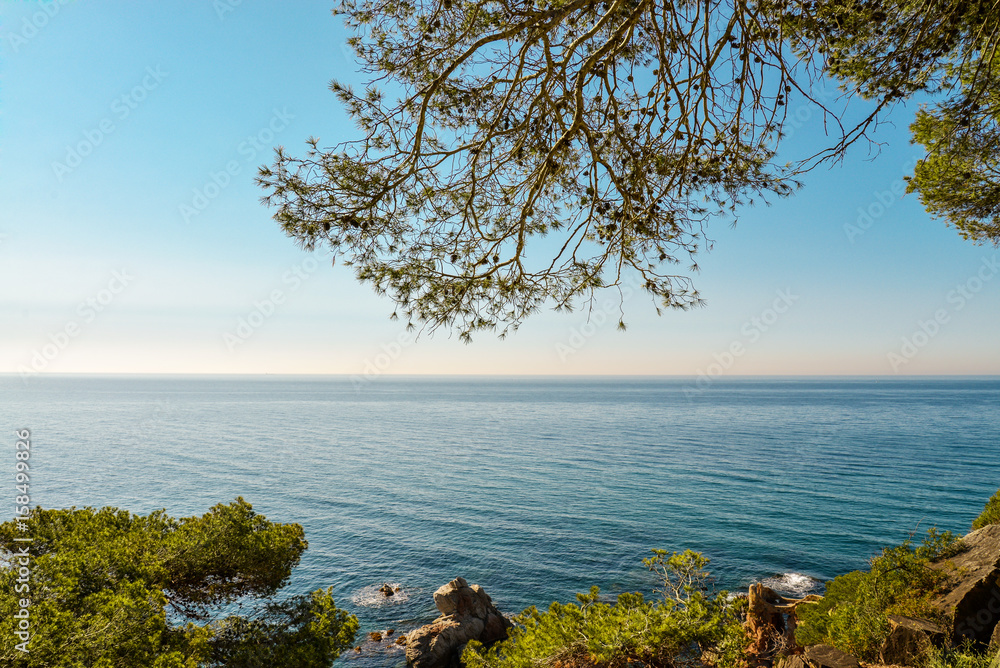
(853, 614)
(111, 589)
(990, 514)
(687, 628)
(963, 656)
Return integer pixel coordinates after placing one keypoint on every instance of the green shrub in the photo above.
(110, 589)
(687, 628)
(990, 514)
(964, 656)
(853, 614)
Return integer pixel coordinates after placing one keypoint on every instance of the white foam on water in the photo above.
(795, 584)
(372, 597)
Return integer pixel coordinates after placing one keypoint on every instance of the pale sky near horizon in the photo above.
(132, 239)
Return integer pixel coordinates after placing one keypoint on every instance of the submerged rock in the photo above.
(467, 613)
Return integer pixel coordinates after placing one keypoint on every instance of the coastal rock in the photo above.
(794, 661)
(771, 621)
(467, 613)
(765, 623)
(375, 636)
(458, 598)
(825, 656)
(972, 601)
(387, 590)
(909, 640)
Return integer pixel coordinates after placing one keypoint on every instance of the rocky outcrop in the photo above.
(826, 656)
(972, 601)
(794, 661)
(771, 621)
(467, 613)
(910, 640)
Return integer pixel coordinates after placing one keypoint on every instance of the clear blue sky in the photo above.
(130, 258)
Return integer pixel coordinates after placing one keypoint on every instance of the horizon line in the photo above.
(14, 374)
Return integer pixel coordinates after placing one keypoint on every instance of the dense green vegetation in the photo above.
(990, 514)
(111, 589)
(852, 614)
(684, 629)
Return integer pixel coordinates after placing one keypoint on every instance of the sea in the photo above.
(535, 488)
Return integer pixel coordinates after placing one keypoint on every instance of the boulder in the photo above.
(972, 598)
(375, 636)
(909, 640)
(467, 613)
(794, 661)
(387, 590)
(826, 656)
(458, 598)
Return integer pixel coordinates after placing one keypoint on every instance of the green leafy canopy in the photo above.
(518, 153)
(109, 588)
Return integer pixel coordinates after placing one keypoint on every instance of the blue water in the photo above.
(534, 488)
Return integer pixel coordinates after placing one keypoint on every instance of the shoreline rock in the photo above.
(972, 601)
(467, 613)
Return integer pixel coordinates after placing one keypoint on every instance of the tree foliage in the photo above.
(617, 129)
(108, 588)
(518, 152)
(946, 49)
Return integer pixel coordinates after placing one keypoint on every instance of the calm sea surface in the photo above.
(535, 488)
